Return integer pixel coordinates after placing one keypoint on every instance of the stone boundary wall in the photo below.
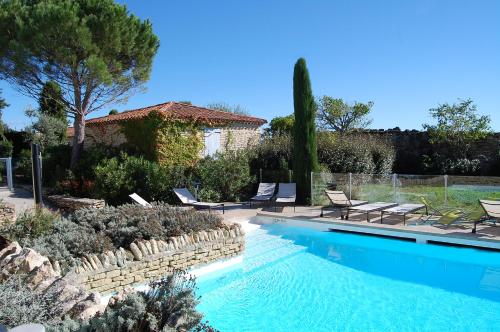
(73, 203)
(150, 260)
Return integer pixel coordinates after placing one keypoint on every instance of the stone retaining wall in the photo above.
(150, 260)
(73, 203)
(7, 213)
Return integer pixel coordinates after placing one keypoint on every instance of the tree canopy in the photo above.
(95, 50)
(224, 107)
(335, 114)
(458, 125)
(51, 102)
(281, 125)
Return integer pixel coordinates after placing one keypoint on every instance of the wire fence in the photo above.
(460, 192)
(452, 191)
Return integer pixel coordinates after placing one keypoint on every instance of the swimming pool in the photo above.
(300, 279)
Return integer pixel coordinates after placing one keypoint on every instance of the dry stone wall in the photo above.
(150, 260)
(73, 203)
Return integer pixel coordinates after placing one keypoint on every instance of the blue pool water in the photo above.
(297, 279)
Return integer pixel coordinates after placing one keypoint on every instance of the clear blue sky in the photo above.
(405, 56)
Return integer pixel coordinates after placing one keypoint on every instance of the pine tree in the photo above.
(51, 101)
(305, 157)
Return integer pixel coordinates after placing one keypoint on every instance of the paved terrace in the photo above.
(485, 232)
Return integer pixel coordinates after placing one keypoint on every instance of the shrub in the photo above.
(57, 238)
(344, 154)
(118, 177)
(21, 305)
(272, 153)
(129, 222)
(5, 148)
(227, 174)
(23, 167)
(169, 305)
(32, 224)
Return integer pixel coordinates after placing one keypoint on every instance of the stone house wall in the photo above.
(110, 135)
(239, 136)
(150, 260)
(235, 136)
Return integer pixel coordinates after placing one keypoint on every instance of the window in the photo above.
(212, 141)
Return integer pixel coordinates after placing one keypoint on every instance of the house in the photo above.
(220, 130)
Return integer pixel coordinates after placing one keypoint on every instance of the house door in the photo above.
(212, 141)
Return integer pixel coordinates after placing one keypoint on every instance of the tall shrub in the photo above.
(305, 157)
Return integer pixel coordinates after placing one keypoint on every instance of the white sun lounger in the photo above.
(287, 194)
(403, 210)
(139, 200)
(188, 199)
(339, 200)
(265, 192)
(492, 212)
(371, 207)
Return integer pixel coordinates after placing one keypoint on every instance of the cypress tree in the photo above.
(51, 101)
(305, 156)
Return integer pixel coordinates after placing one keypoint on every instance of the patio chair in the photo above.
(287, 194)
(449, 217)
(339, 201)
(265, 193)
(139, 200)
(492, 212)
(433, 211)
(187, 198)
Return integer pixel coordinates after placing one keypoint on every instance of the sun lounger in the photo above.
(371, 207)
(339, 200)
(188, 199)
(265, 193)
(492, 212)
(287, 194)
(403, 210)
(139, 200)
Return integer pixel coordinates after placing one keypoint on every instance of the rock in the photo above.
(23, 262)
(111, 257)
(66, 294)
(121, 295)
(127, 255)
(105, 260)
(136, 251)
(120, 260)
(86, 263)
(8, 248)
(154, 246)
(88, 307)
(148, 247)
(42, 276)
(91, 261)
(97, 261)
(143, 248)
(57, 267)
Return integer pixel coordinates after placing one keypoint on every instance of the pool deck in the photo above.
(487, 234)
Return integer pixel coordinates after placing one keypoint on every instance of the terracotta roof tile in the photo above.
(179, 111)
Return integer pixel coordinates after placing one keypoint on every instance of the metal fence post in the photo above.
(394, 177)
(350, 185)
(290, 175)
(446, 189)
(36, 160)
(312, 191)
(260, 174)
(10, 183)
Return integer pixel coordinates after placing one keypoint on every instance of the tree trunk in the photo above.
(78, 139)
